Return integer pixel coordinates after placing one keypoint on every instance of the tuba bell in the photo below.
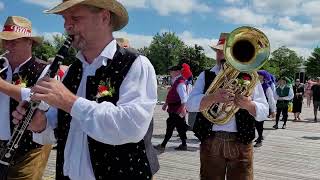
(4, 63)
(246, 50)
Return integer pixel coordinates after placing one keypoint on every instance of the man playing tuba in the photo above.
(226, 150)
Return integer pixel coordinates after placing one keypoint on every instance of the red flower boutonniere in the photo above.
(244, 79)
(104, 89)
(22, 82)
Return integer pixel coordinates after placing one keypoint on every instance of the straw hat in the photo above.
(220, 44)
(17, 27)
(121, 14)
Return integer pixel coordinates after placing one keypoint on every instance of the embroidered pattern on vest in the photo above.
(109, 161)
(31, 72)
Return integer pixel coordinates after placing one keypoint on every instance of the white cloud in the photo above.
(44, 3)
(49, 35)
(166, 7)
(287, 23)
(1, 6)
(134, 3)
(243, 16)
(232, 1)
(135, 40)
(189, 40)
(282, 7)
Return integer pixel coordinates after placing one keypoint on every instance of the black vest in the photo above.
(245, 122)
(30, 72)
(108, 161)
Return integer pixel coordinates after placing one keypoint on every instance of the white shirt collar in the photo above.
(107, 53)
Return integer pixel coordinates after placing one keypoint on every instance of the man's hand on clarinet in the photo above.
(38, 122)
(54, 93)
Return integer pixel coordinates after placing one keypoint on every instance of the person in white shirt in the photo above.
(283, 96)
(265, 78)
(175, 106)
(23, 71)
(226, 150)
(102, 111)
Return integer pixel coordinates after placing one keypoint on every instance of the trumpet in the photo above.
(4, 63)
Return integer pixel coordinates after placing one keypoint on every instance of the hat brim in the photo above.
(121, 15)
(217, 47)
(13, 35)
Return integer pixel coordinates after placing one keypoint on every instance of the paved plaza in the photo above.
(286, 154)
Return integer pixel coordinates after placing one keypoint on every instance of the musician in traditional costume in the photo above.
(102, 111)
(226, 150)
(23, 71)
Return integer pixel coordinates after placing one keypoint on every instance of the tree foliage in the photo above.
(283, 62)
(167, 50)
(313, 64)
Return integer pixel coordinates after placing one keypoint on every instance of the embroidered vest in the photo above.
(30, 72)
(245, 122)
(282, 93)
(108, 161)
(173, 98)
(3, 75)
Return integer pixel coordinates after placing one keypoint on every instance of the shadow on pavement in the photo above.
(311, 137)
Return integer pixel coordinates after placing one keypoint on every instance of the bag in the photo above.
(290, 107)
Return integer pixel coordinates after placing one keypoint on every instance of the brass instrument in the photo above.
(4, 61)
(246, 50)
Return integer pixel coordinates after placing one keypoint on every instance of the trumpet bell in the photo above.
(247, 49)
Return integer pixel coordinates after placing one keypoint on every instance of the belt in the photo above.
(225, 135)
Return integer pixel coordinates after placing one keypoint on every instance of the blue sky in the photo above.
(293, 23)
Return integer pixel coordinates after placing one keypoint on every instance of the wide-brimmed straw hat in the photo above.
(121, 15)
(17, 27)
(221, 42)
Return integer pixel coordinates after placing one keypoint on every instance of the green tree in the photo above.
(313, 64)
(164, 51)
(44, 50)
(58, 41)
(196, 58)
(283, 62)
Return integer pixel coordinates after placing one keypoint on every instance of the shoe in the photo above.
(284, 126)
(181, 148)
(275, 126)
(160, 148)
(315, 120)
(259, 139)
(258, 144)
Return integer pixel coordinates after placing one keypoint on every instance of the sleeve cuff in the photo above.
(78, 106)
(25, 93)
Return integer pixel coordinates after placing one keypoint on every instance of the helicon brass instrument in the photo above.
(246, 50)
(4, 63)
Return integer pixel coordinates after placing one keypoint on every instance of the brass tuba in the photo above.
(4, 63)
(246, 50)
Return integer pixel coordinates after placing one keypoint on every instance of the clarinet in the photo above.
(8, 151)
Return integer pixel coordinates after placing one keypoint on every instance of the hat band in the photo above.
(221, 41)
(17, 29)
